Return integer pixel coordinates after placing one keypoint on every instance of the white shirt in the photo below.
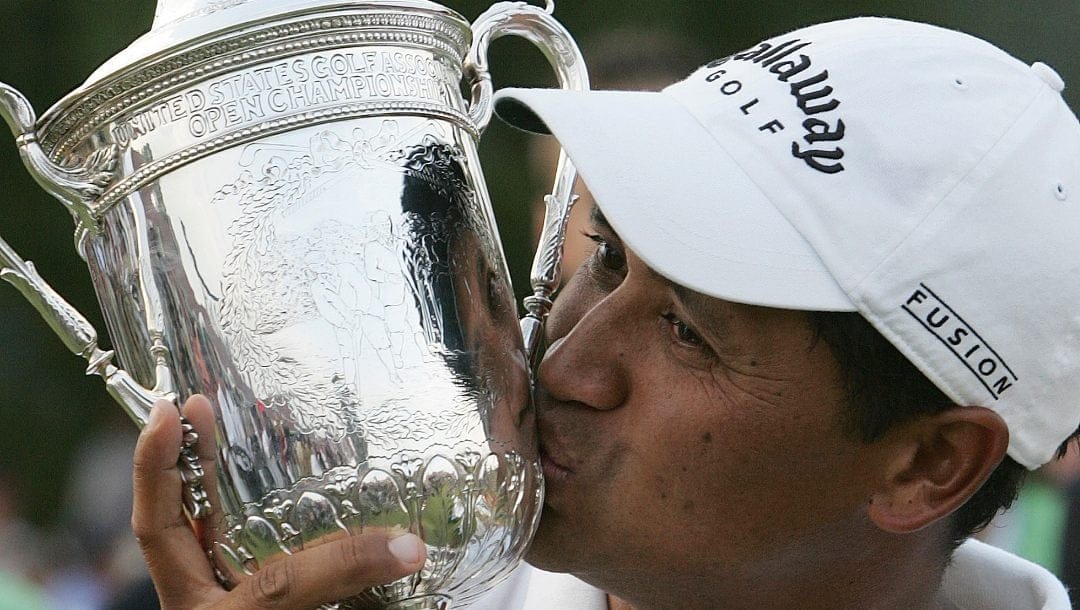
(984, 576)
(980, 577)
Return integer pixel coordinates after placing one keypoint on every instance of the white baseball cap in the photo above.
(917, 175)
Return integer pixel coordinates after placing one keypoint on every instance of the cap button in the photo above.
(1049, 75)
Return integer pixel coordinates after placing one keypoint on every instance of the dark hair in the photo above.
(885, 389)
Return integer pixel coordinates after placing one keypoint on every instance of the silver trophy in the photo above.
(281, 206)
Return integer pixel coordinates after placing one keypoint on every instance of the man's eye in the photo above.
(683, 333)
(607, 255)
(610, 257)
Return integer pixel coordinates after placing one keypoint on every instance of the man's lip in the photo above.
(554, 470)
(555, 465)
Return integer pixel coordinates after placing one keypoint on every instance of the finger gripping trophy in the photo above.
(281, 207)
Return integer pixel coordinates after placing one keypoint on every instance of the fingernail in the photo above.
(408, 548)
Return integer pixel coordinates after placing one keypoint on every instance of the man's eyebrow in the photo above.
(703, 310)
(597, 218)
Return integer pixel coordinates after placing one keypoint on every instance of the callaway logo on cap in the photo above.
(810, 92)
(917, 175)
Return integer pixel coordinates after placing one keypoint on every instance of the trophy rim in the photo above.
(187, 31)
(158, 58)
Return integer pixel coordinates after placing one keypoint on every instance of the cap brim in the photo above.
(677, 198)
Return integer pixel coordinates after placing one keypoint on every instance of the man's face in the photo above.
(687, 436)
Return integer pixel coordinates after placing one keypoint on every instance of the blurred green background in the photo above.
(50, 46)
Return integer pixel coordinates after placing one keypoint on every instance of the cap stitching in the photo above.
(931, 212)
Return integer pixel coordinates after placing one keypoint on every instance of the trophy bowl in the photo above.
(281, 207)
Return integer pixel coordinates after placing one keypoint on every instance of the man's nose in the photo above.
(589, 365)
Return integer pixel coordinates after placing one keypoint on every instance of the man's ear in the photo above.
(937, 463)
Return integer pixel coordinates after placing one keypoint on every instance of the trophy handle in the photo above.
(537, 25)
(77, 334)
(76, 188)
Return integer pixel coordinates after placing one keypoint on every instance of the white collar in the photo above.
(979, 576)
(988, 578)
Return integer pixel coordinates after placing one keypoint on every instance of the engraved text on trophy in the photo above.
(316, 80)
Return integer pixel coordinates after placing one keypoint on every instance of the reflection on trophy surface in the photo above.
(281, 207)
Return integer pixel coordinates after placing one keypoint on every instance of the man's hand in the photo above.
(181, 571)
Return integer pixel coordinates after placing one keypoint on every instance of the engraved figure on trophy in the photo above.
(286, 278)
(260, 264)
